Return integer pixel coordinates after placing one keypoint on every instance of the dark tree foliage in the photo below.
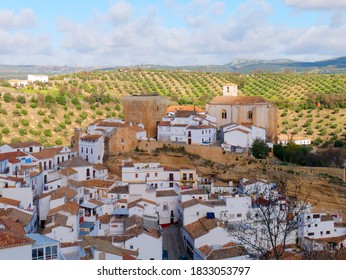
(259, 149)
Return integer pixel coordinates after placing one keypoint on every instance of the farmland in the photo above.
(310, 105)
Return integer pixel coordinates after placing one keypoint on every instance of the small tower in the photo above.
(230, 90)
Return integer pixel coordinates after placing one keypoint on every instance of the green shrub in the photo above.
(58, 141)
(22, 131)
(19, 106)
(41, 112)
(5, 130)
(24, 112)
(33, 105)
(62, 125)
(47, 133)
(3, 111)
(24, 122)
(21, 99)
(15, 124)
(8, 97)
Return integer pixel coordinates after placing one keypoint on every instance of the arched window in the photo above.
(223, 114)
(249, 115)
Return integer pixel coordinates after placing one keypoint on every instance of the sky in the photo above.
(169, 32)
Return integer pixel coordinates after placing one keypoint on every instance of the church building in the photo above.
(230, 108)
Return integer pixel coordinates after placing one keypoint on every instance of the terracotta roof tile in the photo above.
(91, 137)
(25, 144)
(174, 108)
(135, 202)
(233, 100)
(47, 153)
(104, 244)
(223, 253)
(99, 166)
(75, 162)
(12, 225)
(10, 201)
(68, 171)
(120, 190)
(96, 183)
(166, 193)
(60, 192)
(71, 207)
(16, 215)
(10, 239)
(10, 155)
(202, 227)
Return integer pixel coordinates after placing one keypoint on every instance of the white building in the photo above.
(204, 231)
(38, 78)
(187, 127)
(284, 140)
(91, 147)
(167, 207)
(14, 246)
(236, 137)
(140, 235)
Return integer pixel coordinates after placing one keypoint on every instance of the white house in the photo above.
(91, 147)
(14, 246)
(230, 251)
(201, 134)
(141, 236)
(38, 78)
(210, 231)
(236, 136)
(62, 223)
(284, 140)
(167, 207)
(187, 127)
(96, 248)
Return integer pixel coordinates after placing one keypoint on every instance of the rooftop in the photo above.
(10, 239)
(202, 227)
(235, 100)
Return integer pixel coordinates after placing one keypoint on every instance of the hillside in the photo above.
(310, 105)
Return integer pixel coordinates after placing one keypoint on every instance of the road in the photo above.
(172, 242)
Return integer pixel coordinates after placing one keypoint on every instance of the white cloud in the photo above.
(317, 4)
(10, 20)
(19, 42)
(245, 34)
(120, 12)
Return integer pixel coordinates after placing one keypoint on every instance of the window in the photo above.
(155, 174)
(91, 150)
(327, 232)
(148, 175)
(249, 115)
(223, 114)
(197, 213)
(87, 150)
(82, 149)
(316, 216)
(311, 234)
(315, 225)
(321, 232)
(239, 215)
(51, 252)
(131, 247)
(37, 254)
(136, 175)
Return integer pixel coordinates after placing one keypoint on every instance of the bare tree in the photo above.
(274, 219)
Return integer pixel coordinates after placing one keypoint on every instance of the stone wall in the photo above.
(147, 110)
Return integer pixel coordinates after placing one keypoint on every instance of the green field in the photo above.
(310, 105)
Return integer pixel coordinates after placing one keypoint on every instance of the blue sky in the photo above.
(170, 32)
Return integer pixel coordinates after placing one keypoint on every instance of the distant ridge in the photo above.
(330, 66)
